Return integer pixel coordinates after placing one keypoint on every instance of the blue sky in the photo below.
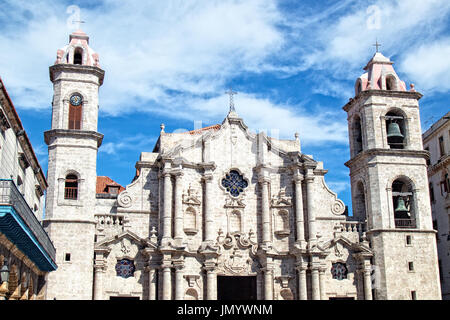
(293, 63)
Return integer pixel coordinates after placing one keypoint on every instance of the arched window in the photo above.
(395, 130)
(78, 56)
(390, 83)
(190, 221)
(360, 202)
(71, 187)
(403, 201)
(75, 111)
(357, 135)
(282, 221)
(358, 87)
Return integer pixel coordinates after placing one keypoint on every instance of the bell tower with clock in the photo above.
(73, 142)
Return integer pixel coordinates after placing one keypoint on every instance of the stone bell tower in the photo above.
(389, 183)
(73, 142)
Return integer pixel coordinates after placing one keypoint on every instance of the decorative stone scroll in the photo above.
(124, 200)
(338, 207)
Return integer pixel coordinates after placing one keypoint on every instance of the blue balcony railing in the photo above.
(10, 196)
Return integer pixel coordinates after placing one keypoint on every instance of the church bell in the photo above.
(394, 131)
(401, 206)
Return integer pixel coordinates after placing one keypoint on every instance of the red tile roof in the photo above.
(104, 182)
(214, 127)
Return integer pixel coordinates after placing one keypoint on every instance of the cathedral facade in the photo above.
(225, 213)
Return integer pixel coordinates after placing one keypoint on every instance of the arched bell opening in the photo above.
(359, 210)
(395, 130)
(403, 201)
(78, 56)
(391, 83)
(357, 136)
(358, 87)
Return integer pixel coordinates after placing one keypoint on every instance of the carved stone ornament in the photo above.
(281, 200)
(237, 255)
(234, 203)
(338, 207)
(124, 247)
(124, 200)
(191, 197)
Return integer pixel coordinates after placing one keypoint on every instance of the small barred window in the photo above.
(125, 268)
(339, 271)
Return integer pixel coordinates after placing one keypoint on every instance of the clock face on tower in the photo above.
(76, 99)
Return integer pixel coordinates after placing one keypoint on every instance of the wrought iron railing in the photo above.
(405, 223)
(71, 193)
(10, 195)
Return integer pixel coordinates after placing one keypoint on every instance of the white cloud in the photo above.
(174, 58)
(345, 44)
(429, 66)
(314, 124)
(137, 142)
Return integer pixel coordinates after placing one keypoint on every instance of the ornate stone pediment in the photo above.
(125, 240)
(281, 200)
(237, 254)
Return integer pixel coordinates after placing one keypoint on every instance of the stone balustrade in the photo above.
(109, 224)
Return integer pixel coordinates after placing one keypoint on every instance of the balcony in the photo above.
(19, 224)
(405, 223)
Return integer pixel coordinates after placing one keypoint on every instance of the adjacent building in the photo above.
(436, 140)
(27, 254)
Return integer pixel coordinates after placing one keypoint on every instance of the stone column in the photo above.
(265, 206)
(211, 283)
(322, 283)
(167, 214)
(166, 281)
(178, 221)
(315, 283)
(268, 282)
(311, 214)
(179, 281)
(302, 289)
(98, 282)
(209, 214)
(367, 283)
(152, 275)
(298, 178)
(99, 272)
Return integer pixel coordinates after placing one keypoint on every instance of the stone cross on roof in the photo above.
(231, 93)
(377, 44)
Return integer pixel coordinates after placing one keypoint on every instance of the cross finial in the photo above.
(77, 23)
(231, 93)
(377, 44)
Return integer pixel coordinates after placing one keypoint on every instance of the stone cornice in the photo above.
(78, 69)
(383, 93)
(444, 161)
(76, 134)
(401, 230)
(389, 152)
